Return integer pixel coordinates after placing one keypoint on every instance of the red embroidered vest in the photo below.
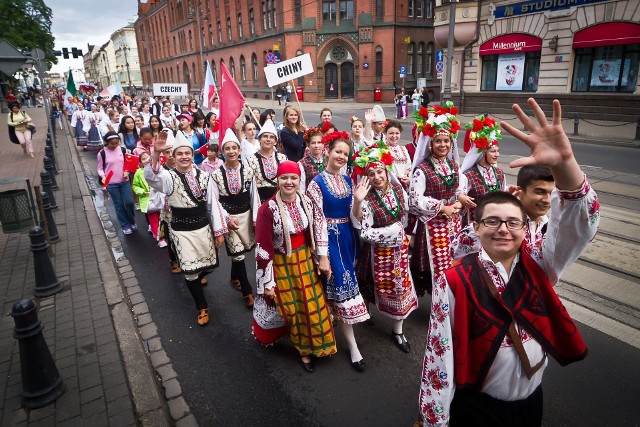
(477, 187)
(381, 216)
(310, 168)
(481, 321)
(435, 185)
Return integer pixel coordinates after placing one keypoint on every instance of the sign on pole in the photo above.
(168, 89)
(440, 55)
(288, 70)
(439, 67)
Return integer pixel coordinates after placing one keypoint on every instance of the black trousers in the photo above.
(473, 408)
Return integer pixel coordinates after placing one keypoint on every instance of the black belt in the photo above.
(189, 219)
(236, 204)
(266, 193)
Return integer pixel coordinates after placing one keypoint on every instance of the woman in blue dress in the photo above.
(331, 192)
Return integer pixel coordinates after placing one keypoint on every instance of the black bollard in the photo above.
(47, 282)
(49, 143)
(48, 166)
(576, 122)
(41, 381)
(51, 222)
(48, 151)
(45, 181)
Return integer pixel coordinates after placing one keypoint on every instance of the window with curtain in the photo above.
(229, 35)
(232, 68)
(254, 67)
(410, 52)
(243, 69)
(219, 32)
(239, 25)
(328, 10)
(429, 9)
(378, 64)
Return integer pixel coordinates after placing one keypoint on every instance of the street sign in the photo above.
(440, 55)
(403, 70)
(439, 66)
(288, 70)
(402, 76)
(439, 76)
(277, 54)
(167, 89)
(270, 57)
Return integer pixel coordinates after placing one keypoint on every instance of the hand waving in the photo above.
(548, 143)
(361, 190)
(160, 143)
(369, 115)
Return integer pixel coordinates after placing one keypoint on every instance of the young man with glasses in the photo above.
(495, 316)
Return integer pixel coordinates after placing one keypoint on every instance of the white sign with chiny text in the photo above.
(288, 70)
(168, 89)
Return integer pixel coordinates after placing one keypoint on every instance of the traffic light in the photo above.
(65, 53)
(77, 53)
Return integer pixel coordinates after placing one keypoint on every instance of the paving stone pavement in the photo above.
(104, 386)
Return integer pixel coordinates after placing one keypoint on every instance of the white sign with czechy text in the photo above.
(169, 89)
(288, 70)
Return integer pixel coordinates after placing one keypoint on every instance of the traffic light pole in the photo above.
(38, 56)
(446, 93)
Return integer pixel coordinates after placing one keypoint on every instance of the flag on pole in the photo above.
(231, 100)
(71, 86)
(209, 88)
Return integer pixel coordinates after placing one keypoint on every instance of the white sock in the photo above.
(347, 331)
(397, 329)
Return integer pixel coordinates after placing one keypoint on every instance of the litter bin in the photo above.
(15, 211)
(300, 92)
(377, 94)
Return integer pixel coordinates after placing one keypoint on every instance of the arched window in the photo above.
(419, 59)
(214, 70)
(428, 61)
(254, 66)
(232, 68)
(229, 38)
(219, 32)
(252, 23)
(240, 25)
(274, 13)
(378, 64)
(410, 58)
(243, 69)
(264, 15)
(190, 40)
(202, 37)
(210, 34)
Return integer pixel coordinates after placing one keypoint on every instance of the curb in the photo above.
(148, 369)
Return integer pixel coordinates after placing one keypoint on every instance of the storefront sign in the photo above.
(288, 70)
(534, 6)
(511, 43)
(170, 89)
(510, 71)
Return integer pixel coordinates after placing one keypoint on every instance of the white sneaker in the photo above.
(137, 206)
(162, 244)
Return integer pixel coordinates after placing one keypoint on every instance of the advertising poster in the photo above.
(510, 71)
(605, 72)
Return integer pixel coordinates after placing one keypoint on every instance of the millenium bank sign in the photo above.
(534, 6)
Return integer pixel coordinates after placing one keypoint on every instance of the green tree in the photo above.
(27, 25)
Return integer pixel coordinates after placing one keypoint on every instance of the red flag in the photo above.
(131, 163)
(203, 150)
(231, 100)
(107, 179)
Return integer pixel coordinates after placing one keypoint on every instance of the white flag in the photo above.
(209, 88)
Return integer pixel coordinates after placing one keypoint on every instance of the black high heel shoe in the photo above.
(403, 345)
(308, 366)
(359, 365)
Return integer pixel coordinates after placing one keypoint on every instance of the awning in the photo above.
(511, 43)
(609, 34)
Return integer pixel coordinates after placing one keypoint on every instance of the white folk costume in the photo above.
(434, 184)
(233, 190)
(401, 161)
(379, 117)
(196, 217)
(383, 264)
(285, 241)
(517, 306)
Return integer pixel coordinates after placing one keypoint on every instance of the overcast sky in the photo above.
(78, 23)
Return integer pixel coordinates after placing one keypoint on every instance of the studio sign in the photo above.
(534, 6)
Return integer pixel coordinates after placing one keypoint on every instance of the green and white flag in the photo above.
(71, 87)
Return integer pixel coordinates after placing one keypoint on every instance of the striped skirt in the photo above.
(300, 301)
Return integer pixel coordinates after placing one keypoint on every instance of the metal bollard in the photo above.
(49, 143)
(51, 222)
(47, 282)
(638, 130)
(48, 151)
(48, 166)
(41, 381)
(45, 181)
(576, 122)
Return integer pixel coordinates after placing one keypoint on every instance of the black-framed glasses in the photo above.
(512, 224)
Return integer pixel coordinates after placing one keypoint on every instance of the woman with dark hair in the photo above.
(20, 122)
(128, 133)
(155, 125)
(268, 114)
(194, 108)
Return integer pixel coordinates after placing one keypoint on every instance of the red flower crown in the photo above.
(327, 139)
(310, 132)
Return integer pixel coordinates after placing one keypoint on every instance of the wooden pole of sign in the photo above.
(257, 119)
(293, 89)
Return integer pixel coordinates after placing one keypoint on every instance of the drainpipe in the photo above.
(464, 49)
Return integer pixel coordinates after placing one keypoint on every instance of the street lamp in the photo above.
(125, 48)
(147, 39)
(446, 93)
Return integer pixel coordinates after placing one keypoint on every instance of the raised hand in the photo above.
(361, 190)
(549, 144)
(369, 115)
(160, 144)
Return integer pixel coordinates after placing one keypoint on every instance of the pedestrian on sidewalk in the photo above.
(279, 94)
(111, 171)
(233, 189)
(290, 295)
(198, 221)
(21, 124)
(492, 376)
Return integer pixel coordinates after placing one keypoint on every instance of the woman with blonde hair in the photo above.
(292, 134)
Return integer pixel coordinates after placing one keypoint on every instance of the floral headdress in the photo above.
(374, 156)
(354, 119)
(310, 132)
(438, 120)
(483, 132)
(327, 139)
(326, 126)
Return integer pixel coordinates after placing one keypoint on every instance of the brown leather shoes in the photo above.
(235, 283)
(203, 281)
(248, 300)
(175, 268)
(203, 317)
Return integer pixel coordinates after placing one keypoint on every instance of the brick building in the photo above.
(356, 46)
(586, 53)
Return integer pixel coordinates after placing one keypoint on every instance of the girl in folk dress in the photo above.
(433, 196)
(381, 208)
(312, 163)
(250, 144)
(401, 160)
(479, 165)
(290, 296)
(331, 193)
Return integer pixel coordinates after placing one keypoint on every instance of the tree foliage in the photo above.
(27, 25)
